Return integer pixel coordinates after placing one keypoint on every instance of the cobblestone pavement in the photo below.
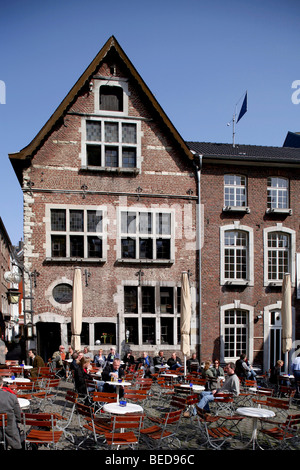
(190, 437)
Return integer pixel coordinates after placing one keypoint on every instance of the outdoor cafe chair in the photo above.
(125, 431)
(40, 429)
(70, 405)
(163, 432)
(224, 403)
(214, 429)
(285, 391)
(101, 398)
(279, 405)
(91, 426)
(283, 435)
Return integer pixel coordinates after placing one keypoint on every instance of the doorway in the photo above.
(48, 339)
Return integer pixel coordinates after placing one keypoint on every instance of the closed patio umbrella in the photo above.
(286, 317)
(185, 316)
(76, 321)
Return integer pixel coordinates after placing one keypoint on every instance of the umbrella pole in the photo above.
(286, 361)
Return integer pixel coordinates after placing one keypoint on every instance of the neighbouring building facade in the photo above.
(250, 197)
(110, 186)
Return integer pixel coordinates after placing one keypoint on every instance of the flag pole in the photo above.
(233, 128)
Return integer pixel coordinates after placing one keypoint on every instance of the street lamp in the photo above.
(13, 296)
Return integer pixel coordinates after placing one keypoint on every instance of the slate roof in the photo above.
(246, 153)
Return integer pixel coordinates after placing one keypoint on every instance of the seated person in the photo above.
(100, 359)
(217, 370)
(174, 362)
(146, 363)
(160, 359)
(58, 360)
(129, 361)
(113, 371)
(193, 363)
(81, 373)
(112, 355)
(231, 384)
(9, 404)
(36, 362)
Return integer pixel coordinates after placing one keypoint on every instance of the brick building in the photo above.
(109, 185)
(250, 195)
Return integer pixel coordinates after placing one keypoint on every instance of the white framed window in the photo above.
(236, 254)
(151, 314)
(279, 254)
(75, 232)
(236, 331)
(235, 191)
(146, 235)
(277, 193)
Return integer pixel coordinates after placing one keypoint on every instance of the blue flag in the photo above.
(243, 108)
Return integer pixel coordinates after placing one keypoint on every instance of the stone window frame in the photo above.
(237, 305)
(85, 233)
(237, 227)
(153, 235)
(292, 254)
(157, 315)
(103, 144)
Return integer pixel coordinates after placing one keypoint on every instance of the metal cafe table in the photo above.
(255, 414)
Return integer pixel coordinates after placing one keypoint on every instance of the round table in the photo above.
(255, 414)
(24, 403)
(198, 388)
(116, 408)
(15, 380)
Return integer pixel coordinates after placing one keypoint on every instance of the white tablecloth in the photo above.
(116, 408)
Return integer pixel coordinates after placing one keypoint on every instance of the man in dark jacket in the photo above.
(113, 372)
(174, 362)
(9, 404)
(241, 368)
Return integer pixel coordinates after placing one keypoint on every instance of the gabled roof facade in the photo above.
(22, 158)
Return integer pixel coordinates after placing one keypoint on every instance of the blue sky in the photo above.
(197, 57)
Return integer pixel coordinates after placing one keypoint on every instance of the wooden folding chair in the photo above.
(214, 435)
(280, 404)
(3, 426)
(136, 395)
(70, 405)
(285, 435)
(91, 427)
(122, 433)
(155, 436)
(42, 430)
(223, 403)
(286, 392)
(101, 398)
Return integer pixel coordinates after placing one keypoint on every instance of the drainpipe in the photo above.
(198, 165)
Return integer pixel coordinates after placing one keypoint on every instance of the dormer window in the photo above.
(111, 98)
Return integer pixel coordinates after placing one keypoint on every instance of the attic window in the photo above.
(111, 98)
